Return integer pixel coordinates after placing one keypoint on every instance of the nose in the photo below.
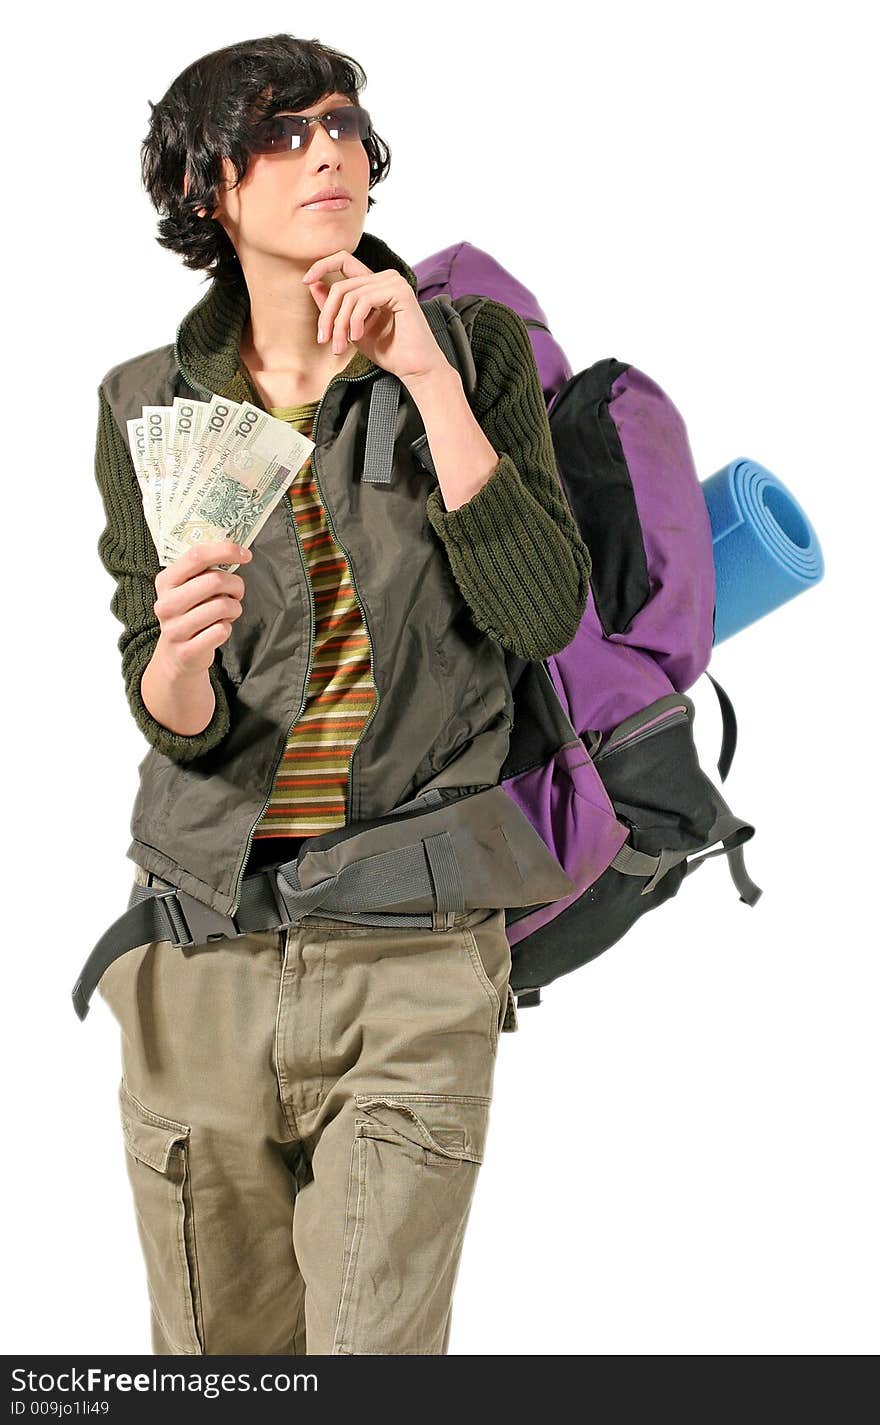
(323, 147)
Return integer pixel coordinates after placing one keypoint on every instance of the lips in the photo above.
(326, 195)
(327, 205)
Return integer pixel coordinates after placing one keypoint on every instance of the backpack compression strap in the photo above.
(727, 828)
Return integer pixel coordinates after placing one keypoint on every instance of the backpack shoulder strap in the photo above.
(728, 723)
(450, 322)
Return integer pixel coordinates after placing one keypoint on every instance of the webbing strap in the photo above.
(274, 899)
(731, 830)
(748, 891)
(728, 727)
(445, 871)
(404, 873)
(384, 401)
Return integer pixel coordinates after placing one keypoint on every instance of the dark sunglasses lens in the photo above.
(350, 122)
(281, 135)
(290, 131)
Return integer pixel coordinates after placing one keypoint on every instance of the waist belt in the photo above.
(427, 853)
(272, 899)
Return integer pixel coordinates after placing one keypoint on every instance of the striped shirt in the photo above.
(311, 784)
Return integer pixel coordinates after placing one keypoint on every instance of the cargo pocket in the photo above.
(413, 1170)
(157, 1161)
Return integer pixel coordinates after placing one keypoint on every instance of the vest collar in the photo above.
(207, 343)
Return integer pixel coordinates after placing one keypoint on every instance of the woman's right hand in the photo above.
(196, 605)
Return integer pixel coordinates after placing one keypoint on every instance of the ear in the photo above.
(202, 212)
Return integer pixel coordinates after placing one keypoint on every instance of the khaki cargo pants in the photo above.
(304, 1114)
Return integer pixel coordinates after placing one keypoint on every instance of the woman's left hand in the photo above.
(379, 313)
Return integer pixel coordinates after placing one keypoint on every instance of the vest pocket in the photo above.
(157, 1162)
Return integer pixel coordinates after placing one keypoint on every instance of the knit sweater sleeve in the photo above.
(127, 551)
(515, 550)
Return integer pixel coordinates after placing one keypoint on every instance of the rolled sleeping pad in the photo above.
(766, 551)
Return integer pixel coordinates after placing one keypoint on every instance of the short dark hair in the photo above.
(209, 113)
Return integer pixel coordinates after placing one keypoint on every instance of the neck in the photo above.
(280, 336)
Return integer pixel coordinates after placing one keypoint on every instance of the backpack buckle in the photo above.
(191, 922)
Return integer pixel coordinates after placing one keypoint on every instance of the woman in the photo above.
(305, 1110)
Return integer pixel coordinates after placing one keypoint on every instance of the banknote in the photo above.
(216, 417)
(137, 445)
(156, 457)
(210, 470)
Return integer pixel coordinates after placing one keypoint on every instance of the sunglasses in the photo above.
(293, 131)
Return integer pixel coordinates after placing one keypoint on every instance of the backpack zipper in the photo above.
(352, 379)
(658, 724)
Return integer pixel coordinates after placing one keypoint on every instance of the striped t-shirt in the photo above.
(311, 783)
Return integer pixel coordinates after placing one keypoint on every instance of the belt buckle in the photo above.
(191, 922)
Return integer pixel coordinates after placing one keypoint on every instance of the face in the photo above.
(265, 213)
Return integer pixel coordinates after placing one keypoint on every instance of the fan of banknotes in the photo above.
(211, 470)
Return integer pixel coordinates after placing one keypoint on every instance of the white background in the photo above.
(683, 1146)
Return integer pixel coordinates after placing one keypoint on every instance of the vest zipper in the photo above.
(375, 706)
(352, 379)
(259, 816)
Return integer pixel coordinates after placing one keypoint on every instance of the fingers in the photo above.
(197, 653)
(343, 330)
(362, 309)
(342, 261)
(333, 319)
(199, 557)
(344, 297)
(219, 613)
(192, 592)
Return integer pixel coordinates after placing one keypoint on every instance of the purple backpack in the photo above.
(602, 758)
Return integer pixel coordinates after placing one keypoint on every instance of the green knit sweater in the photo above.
(513, 547)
